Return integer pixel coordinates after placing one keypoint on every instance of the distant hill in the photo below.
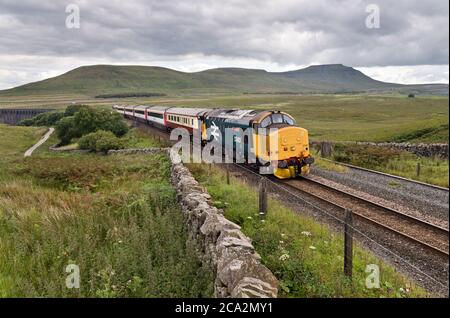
(108, 79)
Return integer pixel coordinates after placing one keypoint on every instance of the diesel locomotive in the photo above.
(275, 138)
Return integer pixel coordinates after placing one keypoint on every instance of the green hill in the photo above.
(107, 79)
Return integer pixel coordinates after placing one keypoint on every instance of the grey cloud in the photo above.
(282, 32)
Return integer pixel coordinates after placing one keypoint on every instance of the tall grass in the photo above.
(115, 217)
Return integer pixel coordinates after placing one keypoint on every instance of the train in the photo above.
(287, 148)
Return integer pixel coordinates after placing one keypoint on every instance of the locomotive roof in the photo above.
(242, 116)
(188, 111)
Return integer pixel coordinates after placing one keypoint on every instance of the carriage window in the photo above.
(288, 120)
(266, 122)
(277, 118)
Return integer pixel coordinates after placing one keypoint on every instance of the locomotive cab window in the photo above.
(266, 122)
(277, 118)
(288, 120)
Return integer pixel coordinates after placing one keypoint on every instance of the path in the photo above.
(39, 143)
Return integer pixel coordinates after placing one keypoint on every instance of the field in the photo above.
(114, 217)
(305, 256)
(327, 117)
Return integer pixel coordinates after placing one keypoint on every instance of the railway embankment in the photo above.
(221, 245)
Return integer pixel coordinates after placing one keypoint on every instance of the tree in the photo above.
(65, 129)
(88, 120)
(100, 141)
(44, 119)
(72, 109)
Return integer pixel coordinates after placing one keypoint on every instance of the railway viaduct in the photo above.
(14, 116)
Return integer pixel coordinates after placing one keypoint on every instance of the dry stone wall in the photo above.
(421, 149)
(221, 245)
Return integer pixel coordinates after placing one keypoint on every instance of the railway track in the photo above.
(429, 236)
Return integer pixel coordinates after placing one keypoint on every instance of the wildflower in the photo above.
(283, 235)
(249, 217)
(312, 247)
(281, 242)
(284, 257)
(306, 233)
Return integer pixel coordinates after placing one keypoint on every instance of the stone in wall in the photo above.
(132, 151)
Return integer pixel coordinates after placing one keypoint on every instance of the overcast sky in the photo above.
(410, 44)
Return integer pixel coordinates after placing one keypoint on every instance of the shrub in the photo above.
(364, 155)
(89, 141)
(106, 143)
(66, 130)
(100, 141)
(26, 122)
(44, 119)
(72, 109)
(126, 95)
(87, 120)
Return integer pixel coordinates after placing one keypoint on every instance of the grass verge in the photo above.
(305, 256)
(401, 163)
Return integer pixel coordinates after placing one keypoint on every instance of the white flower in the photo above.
(249, 217)
(281, 242)
(284, 257)
(283, 235)
(312, 247)
(306, 233)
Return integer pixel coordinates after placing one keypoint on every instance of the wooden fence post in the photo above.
(228, 173)
(262, 197)
(325, 149)
(348, 243)
(418, 169)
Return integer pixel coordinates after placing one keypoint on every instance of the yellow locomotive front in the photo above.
(283, 145)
